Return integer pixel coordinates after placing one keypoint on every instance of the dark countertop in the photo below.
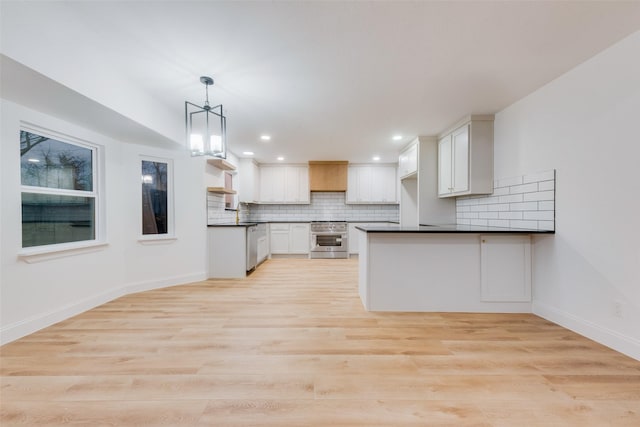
(250, 223)
(233, 224)
(451, 229)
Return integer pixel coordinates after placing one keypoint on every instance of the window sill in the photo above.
(39, 254)
(157, 239)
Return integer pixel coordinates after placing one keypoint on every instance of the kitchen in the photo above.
(565, 100)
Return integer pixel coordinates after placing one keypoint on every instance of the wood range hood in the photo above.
(328, 175)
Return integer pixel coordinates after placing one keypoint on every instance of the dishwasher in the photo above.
(255, 233)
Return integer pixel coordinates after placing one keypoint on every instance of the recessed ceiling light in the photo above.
(376, 158)
(280, 158)
(265, 137)
(397, 137)
(33, 160)
(248, 153)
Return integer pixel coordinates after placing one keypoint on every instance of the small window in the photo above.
(58, 189)
(156, 198)
(229, 199)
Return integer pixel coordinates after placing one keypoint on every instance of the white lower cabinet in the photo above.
(289, 238)
(299, 239)
(279, 238)
(505, 268)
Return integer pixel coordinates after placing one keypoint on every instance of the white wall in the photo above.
(585, 125)
(34, 295)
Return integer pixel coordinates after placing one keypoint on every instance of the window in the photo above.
(229, 199)
(156, 198)
(59, 196)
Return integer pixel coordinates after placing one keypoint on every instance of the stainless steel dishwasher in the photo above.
(254, 234)
(252, 247)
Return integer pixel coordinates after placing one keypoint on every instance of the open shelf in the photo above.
(221, 164)
(220, 190)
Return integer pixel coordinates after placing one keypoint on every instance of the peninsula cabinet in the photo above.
(373, 184)
(284, 184)
(465, 158)
(505, 268)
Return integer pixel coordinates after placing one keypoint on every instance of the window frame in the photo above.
(170, 235)
(55, 250)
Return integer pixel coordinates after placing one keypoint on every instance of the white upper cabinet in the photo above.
(465, 158)
(297, 184)
(374, 184)
(249, 181)
(284, 184)
(408, 161)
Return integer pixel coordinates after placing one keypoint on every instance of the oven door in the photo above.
(328, 242)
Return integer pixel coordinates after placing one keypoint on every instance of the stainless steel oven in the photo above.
(329, 239)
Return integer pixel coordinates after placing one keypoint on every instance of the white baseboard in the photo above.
(605, 336)
(32, 324)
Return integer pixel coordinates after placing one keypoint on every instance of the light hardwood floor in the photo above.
(292, 346)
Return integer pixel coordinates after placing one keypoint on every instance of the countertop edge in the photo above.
(451, 230)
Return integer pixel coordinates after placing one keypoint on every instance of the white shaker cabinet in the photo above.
(279, 238)
(505, 268)
(465, 158)
(408, 161)
(373, 184)
(289, 238)
(284, 184)
(299, 238)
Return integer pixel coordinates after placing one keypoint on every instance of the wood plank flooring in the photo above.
(292, 346)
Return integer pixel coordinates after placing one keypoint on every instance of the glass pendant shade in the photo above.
(206, 127)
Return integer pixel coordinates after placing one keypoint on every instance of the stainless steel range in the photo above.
(329, 239)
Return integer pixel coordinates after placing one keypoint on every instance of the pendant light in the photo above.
(206, 126)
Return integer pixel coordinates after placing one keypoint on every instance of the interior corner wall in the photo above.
(39, 294)
(585, 125)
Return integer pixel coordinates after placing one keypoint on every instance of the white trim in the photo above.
(97, 193)
(157, 239)
(32, 324)
(49, 252)
(603, 335)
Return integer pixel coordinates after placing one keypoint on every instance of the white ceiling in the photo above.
(327, 80)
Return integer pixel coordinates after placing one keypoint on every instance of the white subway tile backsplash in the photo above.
(512, 198)
(481, 222)
(523, 224)
(523, 206)
(546, 185)
(521, 202)
(539, 215)
(488, 215)
(540, 195)
(498, 207)
(510, 215)
(323, 206)
(501, 191)
(488, 200)
(524, 188)
(546, 206)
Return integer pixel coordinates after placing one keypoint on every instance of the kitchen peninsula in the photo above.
(452, 268)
